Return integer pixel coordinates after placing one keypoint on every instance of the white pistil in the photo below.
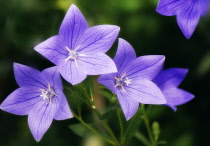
(48, 94)
(73, 54)
(120, 82)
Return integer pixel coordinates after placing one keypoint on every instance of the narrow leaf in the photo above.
(109, 110)
(132, 125)
(80, 129)
(142, 138)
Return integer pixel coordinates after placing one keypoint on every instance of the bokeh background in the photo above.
(25, 23)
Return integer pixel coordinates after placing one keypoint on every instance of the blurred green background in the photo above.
(25, 23)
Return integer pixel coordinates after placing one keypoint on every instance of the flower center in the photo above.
(122, 81)
(73, 54)
(48, 93)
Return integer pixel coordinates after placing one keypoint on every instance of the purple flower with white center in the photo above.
(79, 51)
(132, 83)
(187, 12)
(40, 96)
(168, 81)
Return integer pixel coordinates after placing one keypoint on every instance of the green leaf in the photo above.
(162, 142)
(80, 129)
(109, 110)
(184, 139)
(108, 94)
(77, 92)
(83, 91)
(142, 138)
(132, 125)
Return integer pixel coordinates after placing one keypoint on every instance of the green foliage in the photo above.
(83, 91)
(183, 140)
(109, 110)
(142, 138)
(111, 97)
(79, 129)
(132, 125)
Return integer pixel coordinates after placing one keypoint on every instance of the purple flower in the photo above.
(168, 81)
(132, 83)
(77, 50)
(40, 96)
(188, 12)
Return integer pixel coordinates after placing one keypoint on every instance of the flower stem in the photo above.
(149, 130)
(106, 126)
(104, 123)
(142, 138)
(92, 130)
(121, 125)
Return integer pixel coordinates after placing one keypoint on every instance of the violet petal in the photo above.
(176, 96)
(144, 91)
(188, 17)
(145, 67)
(128, 104)
(21, 101)
(108, 81)
(98, 38)
(72, 27)
(53, 49)
(97, 63)
(52, 76)
(171, 77)
(63, 111)
(72, 72)
(125, 55)
(41, 117)
(170, 7)
(28, 77)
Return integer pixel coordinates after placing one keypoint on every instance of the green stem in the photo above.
(106, 126)
(92, 130)
(79, 108)
(142, 138)
(146, 121)
(127, 130)
(121, 126)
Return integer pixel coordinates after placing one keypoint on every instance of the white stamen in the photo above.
(67, 49)
(48, 93)
(77, 48)
(127, 81)
(73, 54)
(120, 82)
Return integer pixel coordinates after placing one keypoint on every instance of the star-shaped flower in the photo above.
(40, 96)
(77, 50)
(132, 83)
(168, 81)
(187, 12)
